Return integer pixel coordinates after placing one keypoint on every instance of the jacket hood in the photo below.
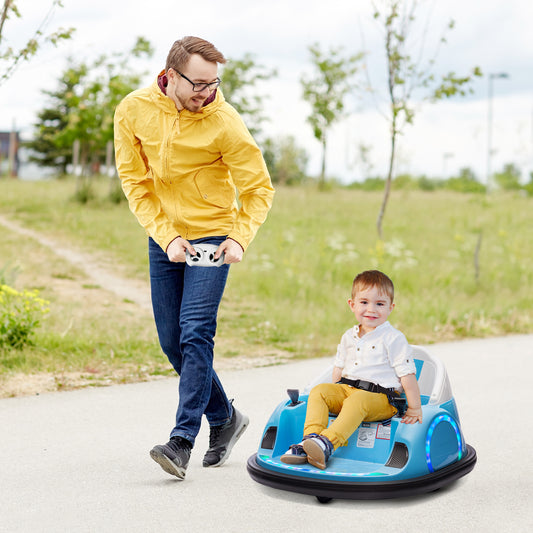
(159, 90)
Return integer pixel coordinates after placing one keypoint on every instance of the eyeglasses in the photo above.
(199, 87)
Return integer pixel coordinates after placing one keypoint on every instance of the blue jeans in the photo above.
(185, 301)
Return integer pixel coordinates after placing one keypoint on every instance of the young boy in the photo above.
(373, 360)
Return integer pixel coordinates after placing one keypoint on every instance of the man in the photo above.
(181, 152)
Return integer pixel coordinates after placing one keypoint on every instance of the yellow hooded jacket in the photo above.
(180, 170)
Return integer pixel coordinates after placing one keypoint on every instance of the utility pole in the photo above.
(492, 77)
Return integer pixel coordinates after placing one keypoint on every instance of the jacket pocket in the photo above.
(215, 187)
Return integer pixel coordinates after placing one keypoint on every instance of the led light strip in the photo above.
(316, 471)
(453, 423)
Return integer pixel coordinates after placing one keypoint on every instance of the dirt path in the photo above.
(111, 289)
(134, 290)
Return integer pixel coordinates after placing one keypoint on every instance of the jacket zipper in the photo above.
(175, 130)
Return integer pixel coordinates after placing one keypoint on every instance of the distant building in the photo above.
(9, 153)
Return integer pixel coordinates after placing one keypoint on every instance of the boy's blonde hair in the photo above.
(373, 278)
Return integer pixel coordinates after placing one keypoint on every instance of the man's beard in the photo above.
(188, 105)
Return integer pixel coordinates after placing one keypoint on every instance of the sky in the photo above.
(445, 137)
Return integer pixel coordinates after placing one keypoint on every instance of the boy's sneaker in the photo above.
(173, 457)
(318, 450)
(223, 438)
(295, 455)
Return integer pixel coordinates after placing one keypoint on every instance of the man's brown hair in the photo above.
(182, 50)
(373, 278)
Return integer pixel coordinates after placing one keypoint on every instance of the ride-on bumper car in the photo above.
(385, 459)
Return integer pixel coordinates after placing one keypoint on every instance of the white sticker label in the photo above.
(383, 432)
(366, 436)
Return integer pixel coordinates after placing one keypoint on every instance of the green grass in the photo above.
(87, 330)
(290, 293)
(301, 266)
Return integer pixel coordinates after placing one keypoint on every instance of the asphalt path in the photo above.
(78, 461)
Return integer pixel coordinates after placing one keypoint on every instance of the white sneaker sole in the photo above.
(167, 465)
(240, 430)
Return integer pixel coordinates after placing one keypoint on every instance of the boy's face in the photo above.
(371, 308)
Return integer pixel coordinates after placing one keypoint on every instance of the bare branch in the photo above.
(34, 42)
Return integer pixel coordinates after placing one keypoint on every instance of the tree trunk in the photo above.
(476, 256)
(322, 179)
(3, 17)
(12, 154)
(388, 184)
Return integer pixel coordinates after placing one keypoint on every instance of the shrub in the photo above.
(20, 315)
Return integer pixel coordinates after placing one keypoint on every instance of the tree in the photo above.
(45, 150)
(509, 178)
(528, 187)
(363, 160)
(285, 160)
(239, 79)
(406, 75)
(82, 108)
(466, 182)
(10, 58)
(326, 90)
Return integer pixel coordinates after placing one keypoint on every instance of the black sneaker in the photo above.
(173, 457)
(223, 438)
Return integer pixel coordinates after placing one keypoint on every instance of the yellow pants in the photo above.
(352, 406)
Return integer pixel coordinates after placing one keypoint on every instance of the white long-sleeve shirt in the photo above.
(382, 356)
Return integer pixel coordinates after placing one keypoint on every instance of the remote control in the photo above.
(205, 256)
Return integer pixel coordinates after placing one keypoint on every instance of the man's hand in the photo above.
(177, 248)
(232, 249)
